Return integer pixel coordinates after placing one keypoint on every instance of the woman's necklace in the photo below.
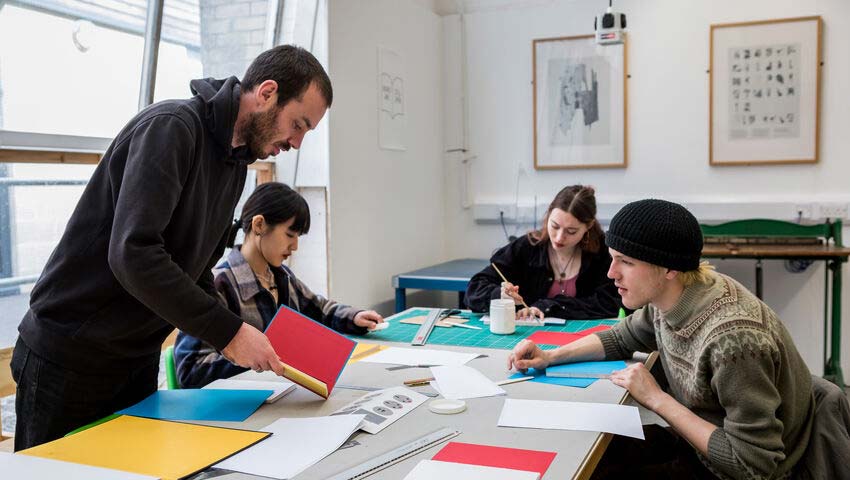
(267, 277)
(563, 272)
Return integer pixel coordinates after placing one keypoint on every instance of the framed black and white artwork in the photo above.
(764, 92)
(579, 103)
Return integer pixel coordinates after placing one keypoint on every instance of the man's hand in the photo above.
(251, 349)
(640, 383)
(368, 318)
(528, 355)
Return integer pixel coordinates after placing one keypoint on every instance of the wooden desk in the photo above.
(578, 452)
(833, 256)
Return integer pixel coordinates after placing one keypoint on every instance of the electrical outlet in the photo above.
(803, 211)
(834, 210)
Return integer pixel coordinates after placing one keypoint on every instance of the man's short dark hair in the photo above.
(293, 68)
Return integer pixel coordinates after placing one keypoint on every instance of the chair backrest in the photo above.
(768, 228)
(7, 385)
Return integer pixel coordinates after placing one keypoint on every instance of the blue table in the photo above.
(452, 276)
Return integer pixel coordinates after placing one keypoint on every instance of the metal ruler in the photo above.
(396, 455)
(426, 327)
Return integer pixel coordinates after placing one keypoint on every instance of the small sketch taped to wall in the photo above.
(392, 121)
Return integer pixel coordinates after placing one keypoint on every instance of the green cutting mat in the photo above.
(466, 337)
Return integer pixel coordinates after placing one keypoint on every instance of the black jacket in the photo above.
(135, 259)
(528, 266)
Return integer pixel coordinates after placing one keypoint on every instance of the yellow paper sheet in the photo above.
(168, 450)
(363, 350)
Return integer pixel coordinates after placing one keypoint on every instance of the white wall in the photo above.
(668, 128)
(386, 207)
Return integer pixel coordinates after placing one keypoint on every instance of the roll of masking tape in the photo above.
(445, 406)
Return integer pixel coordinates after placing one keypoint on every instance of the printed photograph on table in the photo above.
(579, 103)
(764, 92)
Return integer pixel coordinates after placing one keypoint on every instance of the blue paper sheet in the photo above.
(194, 404)
(585, 369)
(540, 377)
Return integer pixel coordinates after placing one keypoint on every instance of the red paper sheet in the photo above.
(553, 338)
(309, 346)
(502, 457)
(562, 338)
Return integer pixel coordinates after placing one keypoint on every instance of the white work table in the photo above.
(577, 451)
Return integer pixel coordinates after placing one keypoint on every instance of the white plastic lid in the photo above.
(445, 406)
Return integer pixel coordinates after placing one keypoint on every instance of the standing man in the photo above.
(135, 259)
(740, 401)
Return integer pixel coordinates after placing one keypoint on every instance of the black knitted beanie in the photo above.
(657, 232)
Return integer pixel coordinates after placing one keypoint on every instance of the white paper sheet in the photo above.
(27, 466)
(296, 444)
(460, 381)
(593, 417)
(436, 470)
(280, 388)
(419, 356)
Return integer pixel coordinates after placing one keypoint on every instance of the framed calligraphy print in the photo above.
(764, 93)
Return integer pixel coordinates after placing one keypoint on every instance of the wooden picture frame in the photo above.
(764, 92)
(580, 98)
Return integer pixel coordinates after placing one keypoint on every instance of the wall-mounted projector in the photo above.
(609, 27)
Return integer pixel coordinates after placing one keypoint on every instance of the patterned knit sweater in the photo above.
(729, 360)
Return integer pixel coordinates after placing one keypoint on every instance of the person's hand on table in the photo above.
(640, 383)
(531, 312)
(527, 354)
(368, 319)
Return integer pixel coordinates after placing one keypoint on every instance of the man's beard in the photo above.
(258, 131)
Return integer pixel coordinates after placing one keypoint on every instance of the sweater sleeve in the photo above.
(151, 188)
(329, 312)
(635, 333)
(749, 445)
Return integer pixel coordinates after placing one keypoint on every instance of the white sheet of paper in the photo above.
(280, 388)
(592, 417)
(27, 466)
(419, 356)
(460, 381)
(296, 444)
(436, 470)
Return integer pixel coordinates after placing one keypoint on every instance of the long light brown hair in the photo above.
(580, 202)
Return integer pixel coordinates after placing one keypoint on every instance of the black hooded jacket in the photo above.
(527, 265)
(135, 259)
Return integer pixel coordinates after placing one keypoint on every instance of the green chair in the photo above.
(170, 369)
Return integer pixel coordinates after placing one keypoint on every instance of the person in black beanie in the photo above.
(740, 402)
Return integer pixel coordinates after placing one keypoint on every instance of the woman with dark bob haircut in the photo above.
(253, 282)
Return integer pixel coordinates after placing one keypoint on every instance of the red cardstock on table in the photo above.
(553, 338)
(502, 457)
(310, 347)
(562, 338)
